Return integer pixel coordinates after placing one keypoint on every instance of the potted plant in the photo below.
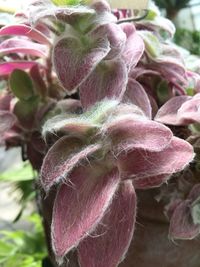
(107, 113)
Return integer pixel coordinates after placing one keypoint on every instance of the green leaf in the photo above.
(6, 249)
(151, 15)
(23, 172)
(25, 111)
(66, 2)
(163, 92)
(21, 84)
(152, 43)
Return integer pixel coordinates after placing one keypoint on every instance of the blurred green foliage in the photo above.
(189, 40)
(23, 248)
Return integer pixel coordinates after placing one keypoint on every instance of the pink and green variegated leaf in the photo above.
(23, 46)
(108, 244)
(63, 156)
(140, 163)
(134, 47)
(24, 30)
(80, 205)
(74, 61)
(129, 134)
(115, 35)
(7, 67)
(168, 113)
(150, 182)
(136, 95)
(181, 223)
(108, 80)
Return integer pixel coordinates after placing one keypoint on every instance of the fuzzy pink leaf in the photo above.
(134, 47)
(7, 67)
(136, 95)
(189, 112)
(108, 244)
(115, 35)
(108, 80)
(173, 72)
(23, 46)
(181, 224)
(62, 157)
(24, 30)
(150, 182)
(74, 61)
(127, 134)
(168, 112)
(140, 163)
(81, 204)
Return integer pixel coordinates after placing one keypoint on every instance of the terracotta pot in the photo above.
(151, 246)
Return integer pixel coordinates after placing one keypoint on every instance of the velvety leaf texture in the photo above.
(181, 224)
(108, 81)
(143, 163)
(80, 204)
(108, 244)
(63, 156)
(74, 61)
(136, 95)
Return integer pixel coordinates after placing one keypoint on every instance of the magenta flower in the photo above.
(102, 156)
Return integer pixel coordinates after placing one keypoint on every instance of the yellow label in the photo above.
(129, 4)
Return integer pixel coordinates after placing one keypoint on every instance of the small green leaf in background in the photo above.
(25, 111)
(66, 2)
(23, 172)
(163, 92)
(22, 248)
(152, 43)
(21, 85)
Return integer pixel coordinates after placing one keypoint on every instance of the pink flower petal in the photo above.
(108, 80)
(81, 204)
(62, 157)
(24, 30)
(141, 163)
(168, 112)
(23, 46)
(7, 67)
(74, 61)
(181, 224)
(134, 47)
(108, 244)
(136, 94)
(127, 134)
